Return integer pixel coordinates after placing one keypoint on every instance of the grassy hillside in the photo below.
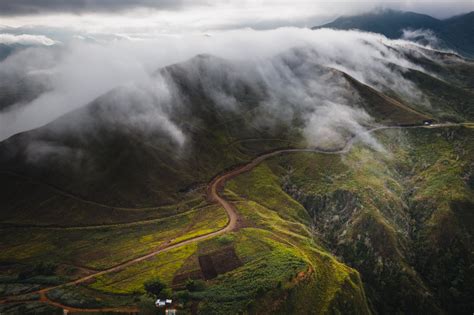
(399, 218)
(94, 166)
(319, 234)
(448, 102)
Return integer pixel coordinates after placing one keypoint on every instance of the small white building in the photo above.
(163, 302)
(160, 303)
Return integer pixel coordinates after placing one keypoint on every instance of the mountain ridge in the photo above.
(456, 32)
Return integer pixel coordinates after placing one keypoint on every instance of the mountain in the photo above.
(384, 227)
(455, 33)
(458, 32)
(86, 152)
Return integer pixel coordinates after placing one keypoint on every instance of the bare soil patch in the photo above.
(219, 262)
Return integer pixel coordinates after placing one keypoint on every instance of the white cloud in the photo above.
(426, 37)
(26, 39)
(83, 71)
(212, 15)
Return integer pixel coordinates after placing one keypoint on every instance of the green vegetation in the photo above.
(155, 287)
(262, 185)
(36, 308)
(132, 279)
(392, 215)
(448, 102)
(83, 297)
(103, 247)
(386, 214)
(235, 290)
(367, 231)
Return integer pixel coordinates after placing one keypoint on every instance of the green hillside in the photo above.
(110, 203)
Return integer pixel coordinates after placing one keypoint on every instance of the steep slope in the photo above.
(390, 216)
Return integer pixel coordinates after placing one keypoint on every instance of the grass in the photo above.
(46, 207)
(30, 308)
(300, 210)
(275, 252)
(100, 248)
(263, 186)
(425, 169)
(401, 205)
(131, 279)
(205, 223)
(280, 227)
(286, 244)
(235, 290)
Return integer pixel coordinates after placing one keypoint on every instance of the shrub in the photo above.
(155, 287)
(195, 285)
(225, 239)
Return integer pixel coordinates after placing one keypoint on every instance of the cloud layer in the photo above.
(285, 60)
(20, 7)
(26, 39)
(148, 17)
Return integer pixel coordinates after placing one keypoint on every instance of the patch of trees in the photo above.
(39, 269)
(157, 288)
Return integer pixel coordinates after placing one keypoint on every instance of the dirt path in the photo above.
(213, 195)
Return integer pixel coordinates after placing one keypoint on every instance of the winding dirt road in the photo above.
(213, 195)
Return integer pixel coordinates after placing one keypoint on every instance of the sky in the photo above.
(85, 48)
(147, 18)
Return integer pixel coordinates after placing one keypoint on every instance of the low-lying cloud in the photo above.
(285, 60)
(26, 39)
(422, 36)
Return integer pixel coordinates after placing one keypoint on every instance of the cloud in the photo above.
(292, 66)
(141, 108)
(140, 17)
(331, 124)
(422, 36)
(26, 39)
(25, 7)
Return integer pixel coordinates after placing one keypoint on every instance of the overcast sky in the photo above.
(143, 18)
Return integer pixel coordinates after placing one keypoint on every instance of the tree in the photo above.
(195, 285)
(154, 287)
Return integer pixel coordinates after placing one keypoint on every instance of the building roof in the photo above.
(163, 302)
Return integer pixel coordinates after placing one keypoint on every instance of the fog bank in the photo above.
(81, 71)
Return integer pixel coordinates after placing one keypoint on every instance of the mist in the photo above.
(285, 60)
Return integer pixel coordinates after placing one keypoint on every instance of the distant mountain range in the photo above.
(455, 33)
